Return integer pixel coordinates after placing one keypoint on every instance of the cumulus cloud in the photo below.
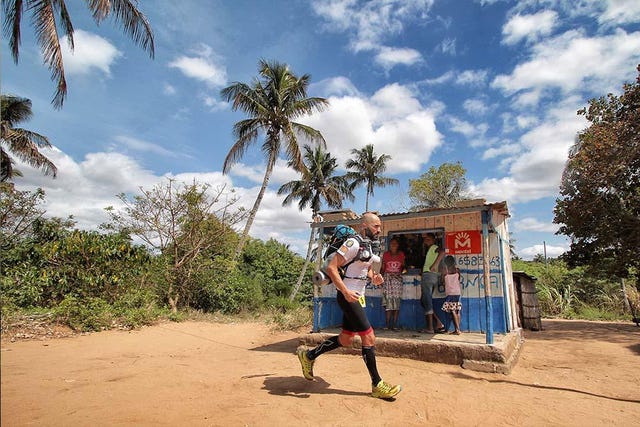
(505, 150)
(530, 252)
(532, 224)
(535, 172)
(169, 89)
(84, 188)
(203, 66)
(389, 57)
(392, 119)
(90, 52)
(529, 27)
(475, 107)
(369, 24)
(619, 12)
(336, 86)
(573, 62)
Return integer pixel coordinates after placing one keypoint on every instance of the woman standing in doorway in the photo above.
(430, 279)
(392, 267)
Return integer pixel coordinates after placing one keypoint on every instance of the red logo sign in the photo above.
(463, 242)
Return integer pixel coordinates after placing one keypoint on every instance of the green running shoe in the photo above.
(306, 363)
(385, 391)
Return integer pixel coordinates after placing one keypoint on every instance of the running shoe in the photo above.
(385, 391)
(306, 363)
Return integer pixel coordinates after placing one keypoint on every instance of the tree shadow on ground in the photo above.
(580, 330)
(287, 346)
(460, 375)
(302, 388)
(635, 348)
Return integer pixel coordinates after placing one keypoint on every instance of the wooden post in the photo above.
(486, 268)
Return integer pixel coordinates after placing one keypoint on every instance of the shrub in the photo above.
(90, 314)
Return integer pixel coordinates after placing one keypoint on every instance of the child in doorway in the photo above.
(452, 289)
(392, 267)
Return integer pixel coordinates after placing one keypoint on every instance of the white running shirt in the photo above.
(356, 275)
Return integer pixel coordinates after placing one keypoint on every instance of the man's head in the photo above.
(371, 225)
(429, 239)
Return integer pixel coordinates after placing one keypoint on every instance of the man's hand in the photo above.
(377, 279)
(349, 295)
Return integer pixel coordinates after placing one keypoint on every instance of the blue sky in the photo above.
(492, 84)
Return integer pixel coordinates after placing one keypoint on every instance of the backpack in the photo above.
(340, 235)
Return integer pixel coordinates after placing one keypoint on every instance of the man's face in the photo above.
(373, 228)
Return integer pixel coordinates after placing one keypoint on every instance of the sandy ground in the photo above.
(572, 373)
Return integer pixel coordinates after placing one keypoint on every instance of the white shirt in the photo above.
(356, 275)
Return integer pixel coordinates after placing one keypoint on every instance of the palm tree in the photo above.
(317, 183)
(48, 17)
(22, 143)
(366, 169)
(272, 102)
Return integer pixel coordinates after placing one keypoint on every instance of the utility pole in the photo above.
(544, 245)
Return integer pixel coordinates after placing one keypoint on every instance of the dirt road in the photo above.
(192, 374)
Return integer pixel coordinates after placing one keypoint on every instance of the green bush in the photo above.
(90, 314)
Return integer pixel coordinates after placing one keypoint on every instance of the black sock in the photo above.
(328, 345)
(369, 357)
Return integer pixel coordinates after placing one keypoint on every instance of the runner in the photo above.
(351, 298)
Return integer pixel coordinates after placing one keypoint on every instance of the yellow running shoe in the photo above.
(306, 363)
(385, 391)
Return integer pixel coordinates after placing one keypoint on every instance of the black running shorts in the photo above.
(354, 319)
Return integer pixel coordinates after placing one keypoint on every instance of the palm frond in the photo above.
(12, 17)
(65, 21)
(134, 22)
(49, 41)
(15, 109)
(26, 149)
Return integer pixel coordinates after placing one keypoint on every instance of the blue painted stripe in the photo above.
(473, 316)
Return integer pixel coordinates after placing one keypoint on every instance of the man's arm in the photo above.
(436, 263)
(333, 273)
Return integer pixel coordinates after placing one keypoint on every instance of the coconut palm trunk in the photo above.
(256, 204)
(307, 260)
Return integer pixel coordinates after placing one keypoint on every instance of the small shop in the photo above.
(474, 232)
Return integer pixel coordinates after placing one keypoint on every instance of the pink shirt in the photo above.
(393, 263)
(452, 284)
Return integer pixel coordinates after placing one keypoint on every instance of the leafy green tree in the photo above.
(599, 203)
(188, 225)
(20, 142)
(317, 183)
(440, 187)
(18, 211)
(366, 168)
(272, 101)
(51, 17)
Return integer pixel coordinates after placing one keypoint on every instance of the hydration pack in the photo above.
(340, 235)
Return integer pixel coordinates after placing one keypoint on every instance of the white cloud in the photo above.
(255, 173)
(475, 106)
(392, 119)
(530, 252)
(214, 104)
(573, 62)
(389, 57)
(444, 78)
(336, 86)
(369, 23)
(448, 46)
(532, 224)
(169, 89)
(504, 150)
(90, 52)
(529, 27)
(140, 145)
(472, 77)
(535, 172)
(84, 188)
(621, 12)
(202, 66)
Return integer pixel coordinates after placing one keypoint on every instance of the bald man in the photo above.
(355, 254)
